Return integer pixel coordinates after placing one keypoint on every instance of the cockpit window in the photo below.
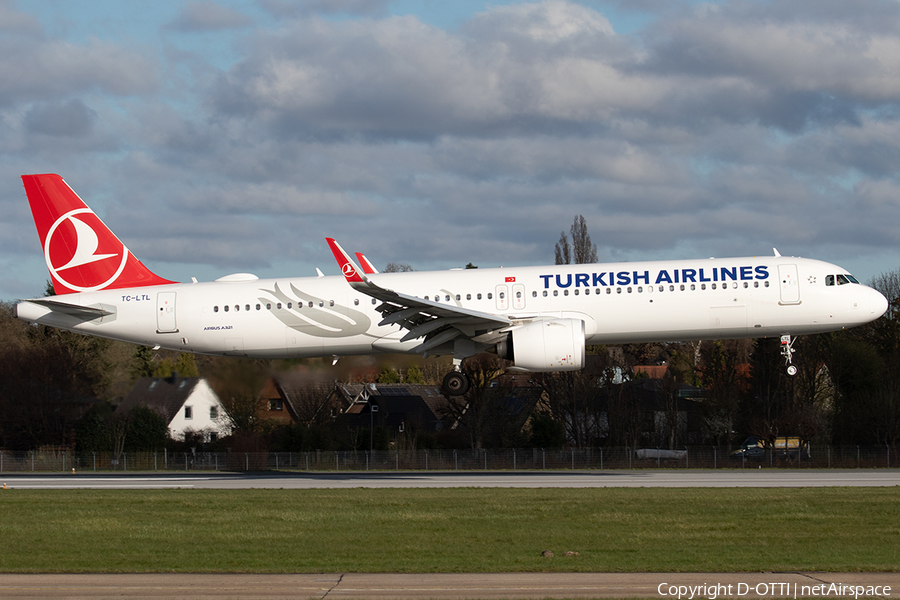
(840, 278)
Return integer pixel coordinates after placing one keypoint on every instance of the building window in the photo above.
(188, 412)
(213, 412)
(275, 404)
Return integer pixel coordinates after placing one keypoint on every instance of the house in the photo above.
(187, 404)
(296, 398)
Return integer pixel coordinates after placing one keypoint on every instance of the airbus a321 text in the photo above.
(539, 318)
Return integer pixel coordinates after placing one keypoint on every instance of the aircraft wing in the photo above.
(436, 323)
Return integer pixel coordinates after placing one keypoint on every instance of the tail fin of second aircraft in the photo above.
(82, 254)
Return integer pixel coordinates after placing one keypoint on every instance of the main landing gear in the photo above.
(787, 351)
(456, 383)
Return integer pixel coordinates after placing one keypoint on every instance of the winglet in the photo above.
(352, 273)
(367, 266)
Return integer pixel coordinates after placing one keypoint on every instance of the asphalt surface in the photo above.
(722, 478)
(452, 586)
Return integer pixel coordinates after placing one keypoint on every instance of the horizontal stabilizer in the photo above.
(86, 313)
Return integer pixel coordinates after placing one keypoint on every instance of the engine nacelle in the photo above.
(556, 345)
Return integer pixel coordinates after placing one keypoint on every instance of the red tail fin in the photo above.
(82, 254)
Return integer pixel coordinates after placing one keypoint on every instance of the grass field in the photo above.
(455, 530)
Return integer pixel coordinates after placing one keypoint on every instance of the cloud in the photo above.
(39, 70)
(206, 15)
(13, 21)
(60, 119)
(718, 129)
(292, 8)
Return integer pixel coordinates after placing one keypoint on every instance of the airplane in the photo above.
(539, 318)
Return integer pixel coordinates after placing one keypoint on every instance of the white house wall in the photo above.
(201, 400)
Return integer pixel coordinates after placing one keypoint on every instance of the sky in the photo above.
(229, 136)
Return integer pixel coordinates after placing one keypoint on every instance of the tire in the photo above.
(455, 383)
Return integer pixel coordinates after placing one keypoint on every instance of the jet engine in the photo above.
(556, 345)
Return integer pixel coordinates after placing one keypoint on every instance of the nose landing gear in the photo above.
(787, 351)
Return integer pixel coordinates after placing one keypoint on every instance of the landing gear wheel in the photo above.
(455, 383)
(787, 351)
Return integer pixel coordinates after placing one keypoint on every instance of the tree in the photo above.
(397, 268)
(581, 250)
(479, 409)
(146, 430)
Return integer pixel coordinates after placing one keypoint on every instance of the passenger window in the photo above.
(278, 306)
(226, 308)
(490, 296)
(258, 307)
(237, 307)
(268, 306)
(468, 296)
(215, 309)
(331, 303)
(565, 292)
(478, 297)
(556, 292)
(356, 302)
(545, 293)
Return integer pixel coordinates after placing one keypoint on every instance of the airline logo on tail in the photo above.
(63, 260)
(82, 254)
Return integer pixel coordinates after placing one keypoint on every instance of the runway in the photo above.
(725, 478)
(457, 586)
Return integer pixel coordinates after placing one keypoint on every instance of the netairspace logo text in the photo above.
(774, 590)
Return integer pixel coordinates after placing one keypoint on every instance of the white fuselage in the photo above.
(619, 303)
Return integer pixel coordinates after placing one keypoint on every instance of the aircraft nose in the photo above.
(877, 303)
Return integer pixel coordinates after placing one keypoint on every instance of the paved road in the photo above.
(406, 479)
(449, 586)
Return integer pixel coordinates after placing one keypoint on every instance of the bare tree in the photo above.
(581, 250)
(397, 268)
(563, 252)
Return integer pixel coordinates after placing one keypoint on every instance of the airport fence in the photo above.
(694, 457)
